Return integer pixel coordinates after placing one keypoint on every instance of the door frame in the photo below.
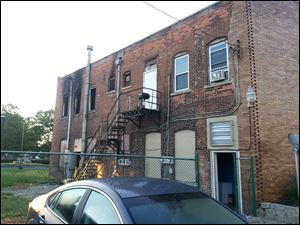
(214, 170)
(149, 71)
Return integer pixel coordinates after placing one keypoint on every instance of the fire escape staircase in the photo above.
(108, 138)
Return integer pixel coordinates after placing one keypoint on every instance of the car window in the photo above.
(181, 208)
(99, 210)
(52, 200)
(67, 202)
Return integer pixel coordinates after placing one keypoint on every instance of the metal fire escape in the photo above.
(108, 138)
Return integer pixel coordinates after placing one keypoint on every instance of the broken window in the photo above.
(92, 101)
(65, 106)
(77, 91)
(111, 84)
(126, 79)
(77, 103)
(66, 94)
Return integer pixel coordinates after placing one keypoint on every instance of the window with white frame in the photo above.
(181, 73)
(221, 133)
(218, 62)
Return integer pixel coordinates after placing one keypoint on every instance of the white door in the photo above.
(150, 81)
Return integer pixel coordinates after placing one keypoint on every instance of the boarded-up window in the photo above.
(221, 133)
(63, 149)
(185, 148)
(153, 149)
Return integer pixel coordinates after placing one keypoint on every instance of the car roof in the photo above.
(128, 187)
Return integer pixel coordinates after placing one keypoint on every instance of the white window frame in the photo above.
(227, 63)
(188, 74)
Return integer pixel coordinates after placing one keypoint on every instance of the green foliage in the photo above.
(11, 137)
(37, 130)
(12, 177)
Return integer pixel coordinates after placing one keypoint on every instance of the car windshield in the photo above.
(181, 208)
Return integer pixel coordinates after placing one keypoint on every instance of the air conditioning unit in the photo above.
(218, 75)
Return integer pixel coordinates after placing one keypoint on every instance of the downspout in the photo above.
(119, 61)
(85, 108)
(67, 169)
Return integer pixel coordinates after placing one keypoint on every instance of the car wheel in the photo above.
(31, 221)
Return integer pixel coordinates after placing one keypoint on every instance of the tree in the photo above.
(41, 125)
(11, 138)
(37, 130)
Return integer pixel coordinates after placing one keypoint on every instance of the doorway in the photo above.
(150, 87)
(225, 179)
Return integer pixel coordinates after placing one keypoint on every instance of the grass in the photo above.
(12, 177)
(13, 207)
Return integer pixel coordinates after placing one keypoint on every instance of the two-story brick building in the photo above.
(197, 74)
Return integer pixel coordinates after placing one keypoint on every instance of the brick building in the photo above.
(197, 75)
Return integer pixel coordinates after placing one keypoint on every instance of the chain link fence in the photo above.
(26, 175)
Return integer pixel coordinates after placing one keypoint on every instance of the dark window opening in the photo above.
(92, 99)
(65, 106)
(127, 79)
(111, 84)
(77, 103)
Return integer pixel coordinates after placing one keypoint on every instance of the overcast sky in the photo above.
(41, 41)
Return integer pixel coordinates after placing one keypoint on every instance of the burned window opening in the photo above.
(92, 99)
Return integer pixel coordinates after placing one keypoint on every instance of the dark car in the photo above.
(128, 200)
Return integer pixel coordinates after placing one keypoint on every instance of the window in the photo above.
(126, 79)
(99, 210)
(65, 106)
(218, 62)
(150, 64)
(182, 73)
(67, 203)
(77, 103)
(92, 99)
(221, 133)
(111, 84)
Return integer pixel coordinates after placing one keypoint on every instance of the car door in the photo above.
(62, 206)
(99, 209)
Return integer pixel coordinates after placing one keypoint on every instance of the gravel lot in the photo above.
(31, 191)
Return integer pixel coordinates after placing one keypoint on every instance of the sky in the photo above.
(41, 41)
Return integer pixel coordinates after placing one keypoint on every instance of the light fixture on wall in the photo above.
(251, 97)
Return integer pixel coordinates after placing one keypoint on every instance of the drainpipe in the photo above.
(119, 61)
(85, 108)
(67, 168)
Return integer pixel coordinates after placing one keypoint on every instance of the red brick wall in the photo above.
(190, 110)
(276, 43)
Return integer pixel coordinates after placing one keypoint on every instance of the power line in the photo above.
(193, 28)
